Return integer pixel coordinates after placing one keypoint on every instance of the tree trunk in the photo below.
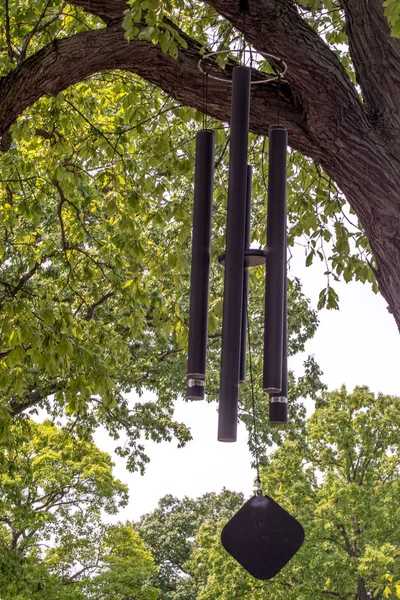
(361, 590)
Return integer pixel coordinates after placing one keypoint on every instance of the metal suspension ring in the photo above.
(229, 81)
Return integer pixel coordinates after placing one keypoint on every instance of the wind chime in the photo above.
(262, 536)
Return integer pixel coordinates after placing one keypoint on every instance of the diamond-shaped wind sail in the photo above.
(262, 536)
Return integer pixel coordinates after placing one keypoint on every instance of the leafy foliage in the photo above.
(392, 11)
(95, 223)
(341, 480)
(170, 532)
(54, 488)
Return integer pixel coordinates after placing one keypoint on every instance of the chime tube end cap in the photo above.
(272, 390)
(195, 396)
(226, 439)
(195, 386)
(227, 425)
(277, 128)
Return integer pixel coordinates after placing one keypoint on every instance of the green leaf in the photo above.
(15, 357)
(48, 316)
(309, 258)
(65, 347)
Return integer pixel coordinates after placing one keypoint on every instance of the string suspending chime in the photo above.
(261, 536)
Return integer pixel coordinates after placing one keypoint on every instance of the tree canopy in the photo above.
(339, 476)
(170, 532)
(100, 101)
(340, 479)
(99, 104)
(54, 542)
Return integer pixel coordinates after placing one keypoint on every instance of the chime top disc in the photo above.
(252, 257)
(262, 536)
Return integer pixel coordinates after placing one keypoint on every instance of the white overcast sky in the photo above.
(357, 345)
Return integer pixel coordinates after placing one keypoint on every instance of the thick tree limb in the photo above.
(376, 58)
(350, 148)
(16, 408)
(105, 9)
(314, 71)
(70, 60)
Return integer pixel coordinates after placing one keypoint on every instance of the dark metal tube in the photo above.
(234, 261)
(199, 281)
(278, 403)
(276, 260)
(243, 344)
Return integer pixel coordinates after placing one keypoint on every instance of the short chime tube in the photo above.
(243, 345)
(234, 256)
(276, 260)
(199, 283)
(278, 402)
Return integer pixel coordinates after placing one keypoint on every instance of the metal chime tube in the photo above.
(234, 258)
(278, 402)
(243, 345)
(199, 281)
(276, 260)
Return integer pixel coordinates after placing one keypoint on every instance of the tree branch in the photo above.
(29, 36)
(70, 60)
(16, 408)
(343, 532)
(10, 51)
(376, 58)
(24, 279)
(105, 9)
(102, 299)
(314, 71)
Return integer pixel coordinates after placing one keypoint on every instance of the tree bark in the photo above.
(376, 57)
(362, 590)
(357, 143)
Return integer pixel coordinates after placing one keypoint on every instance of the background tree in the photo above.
(54, 488)
(170, 532)
(341, 480)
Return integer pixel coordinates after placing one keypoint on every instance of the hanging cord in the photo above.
(256, 448)
(204, 100)
(206, 95)
(279, 97)
(244, 38)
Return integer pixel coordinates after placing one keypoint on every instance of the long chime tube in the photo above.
(200, 271)
(276, 260)
(243, 345)
(278, 402)
(234, 256)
